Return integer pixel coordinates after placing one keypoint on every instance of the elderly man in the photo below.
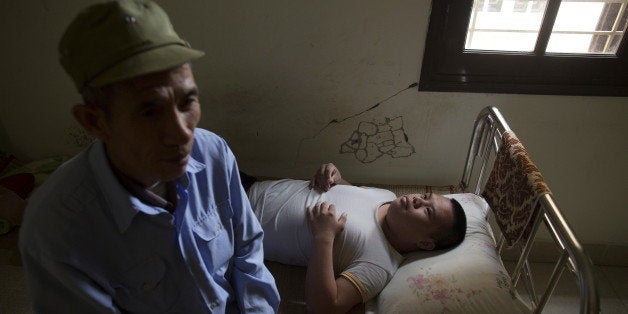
(151, 217)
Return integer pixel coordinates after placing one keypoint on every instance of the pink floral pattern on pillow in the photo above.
(444, 289)
(438, 287)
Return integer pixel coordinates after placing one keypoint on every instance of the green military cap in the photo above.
(113, 41)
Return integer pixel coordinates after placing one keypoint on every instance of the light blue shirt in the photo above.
(88, 246)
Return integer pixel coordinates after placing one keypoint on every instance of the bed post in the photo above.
(487, 131)
(488, 117)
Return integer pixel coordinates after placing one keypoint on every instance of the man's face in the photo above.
(149, 126)
(417, 216)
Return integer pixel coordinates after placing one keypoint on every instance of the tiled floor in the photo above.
(612, 286)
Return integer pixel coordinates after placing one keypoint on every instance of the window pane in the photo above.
(574, 43)
(507, 41)
(588, 27)
(506, 25)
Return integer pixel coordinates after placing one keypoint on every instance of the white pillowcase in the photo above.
(470, 278)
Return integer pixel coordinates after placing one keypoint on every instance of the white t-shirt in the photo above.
(361, 252)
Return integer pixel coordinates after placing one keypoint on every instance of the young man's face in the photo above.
(417, 216)
(149, 128)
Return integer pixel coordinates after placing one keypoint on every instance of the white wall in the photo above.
(276, 72)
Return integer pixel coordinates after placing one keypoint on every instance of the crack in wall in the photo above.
(338, 121)
(373, 140)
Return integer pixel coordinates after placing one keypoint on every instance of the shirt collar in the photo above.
(144, 195)
(122, 204)
(194, 165)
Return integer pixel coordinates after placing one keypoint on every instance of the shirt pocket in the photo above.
(145, 288)
(212, 237)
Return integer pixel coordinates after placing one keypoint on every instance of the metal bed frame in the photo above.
(485, 142)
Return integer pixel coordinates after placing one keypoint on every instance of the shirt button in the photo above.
(213, 304)
(147, 286)
(219, 226)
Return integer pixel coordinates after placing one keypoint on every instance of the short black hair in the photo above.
(452, 236)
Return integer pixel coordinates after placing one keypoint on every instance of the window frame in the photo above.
(447, 66)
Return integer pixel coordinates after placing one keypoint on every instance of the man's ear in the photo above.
(427, 245)
(93, 120)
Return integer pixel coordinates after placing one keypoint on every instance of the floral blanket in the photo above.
(513, 189)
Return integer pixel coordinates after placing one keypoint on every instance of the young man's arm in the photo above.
(326, 177)
(323, 292)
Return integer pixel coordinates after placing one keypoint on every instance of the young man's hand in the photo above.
(326, 177)
(323, 222)
(324, 293)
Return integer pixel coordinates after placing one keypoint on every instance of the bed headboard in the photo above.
(486, 141)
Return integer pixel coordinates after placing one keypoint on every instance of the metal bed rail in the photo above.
(485, 142)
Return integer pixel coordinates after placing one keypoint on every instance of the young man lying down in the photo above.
(350, 238)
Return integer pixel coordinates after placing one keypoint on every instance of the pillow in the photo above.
(469, 278)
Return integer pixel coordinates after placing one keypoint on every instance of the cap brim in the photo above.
(150, 61)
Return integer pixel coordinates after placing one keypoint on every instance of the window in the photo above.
(568, 47)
